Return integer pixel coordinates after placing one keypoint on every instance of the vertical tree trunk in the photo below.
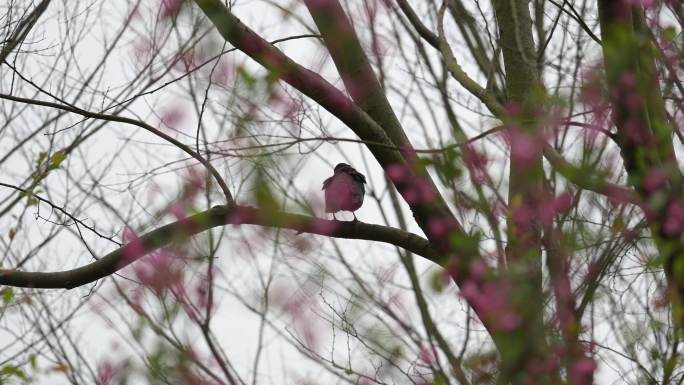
(525, 347)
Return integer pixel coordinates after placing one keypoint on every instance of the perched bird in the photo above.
(344, 190)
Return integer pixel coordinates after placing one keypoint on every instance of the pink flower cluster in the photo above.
(106, 372)
(158, 270)
(526, 147)
(170, 8)
(490, 298)
(543, 209)
(674, 218)
(476, 162)
(414, 189)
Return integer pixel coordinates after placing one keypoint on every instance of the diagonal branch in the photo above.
(354, 67)
(205, 220)
(461, 76)
(115, 118)
(22, 30)
(590, 182)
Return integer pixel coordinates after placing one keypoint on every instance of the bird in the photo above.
(344, 190)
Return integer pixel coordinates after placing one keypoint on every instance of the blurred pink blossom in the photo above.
(643, 3)
(674, 219)
(491, 301)
(106, 372)
(324, 227)
(655, 179)
(425, 354)
(170, 8)
(525, 147)
(158, 271)
(172, 117)
(133, 249)
(397, 173)
(582, 371)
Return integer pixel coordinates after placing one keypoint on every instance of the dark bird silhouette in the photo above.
(344, 190)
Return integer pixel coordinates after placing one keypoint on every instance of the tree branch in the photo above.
(214, 217)
(461, 76)
(22, 30)
(115, 118)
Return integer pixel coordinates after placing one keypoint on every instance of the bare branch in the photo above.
(215, 217)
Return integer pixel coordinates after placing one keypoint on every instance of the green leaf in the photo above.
(7, 295)
(669, 34)
(437, 281)
(10, 371)
(32, 200)
(249, 80)
(265, 197)
(56, 159)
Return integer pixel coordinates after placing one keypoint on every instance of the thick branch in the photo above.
(22, 30)
(354, 67)
(214, 217)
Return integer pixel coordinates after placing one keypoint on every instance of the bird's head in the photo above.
(341, 166)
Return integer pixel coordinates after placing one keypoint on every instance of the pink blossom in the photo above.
(223, 73)
(411, 195)
(509, 321)
(202, 291)
(616, 196)
(240, 215)
(478, 269)
(105, 372)
(425, 190)
(425, 354)
(514, 109)
(491, 301)
(190, 311)
(194, 182)
(523, 215)
(554, 206)
(473, 158)
(674, 220)
(184, 61)
(142, 49)
(525, 148)
(323, 227)
(177, 210)
(172, 117)
(582, 371)
(437, 227)
(632, 100)
(133, 249)
(158, 272)
(397, 173)
(643, 3)
(655, 179)
(170, 8)
(628, 79)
